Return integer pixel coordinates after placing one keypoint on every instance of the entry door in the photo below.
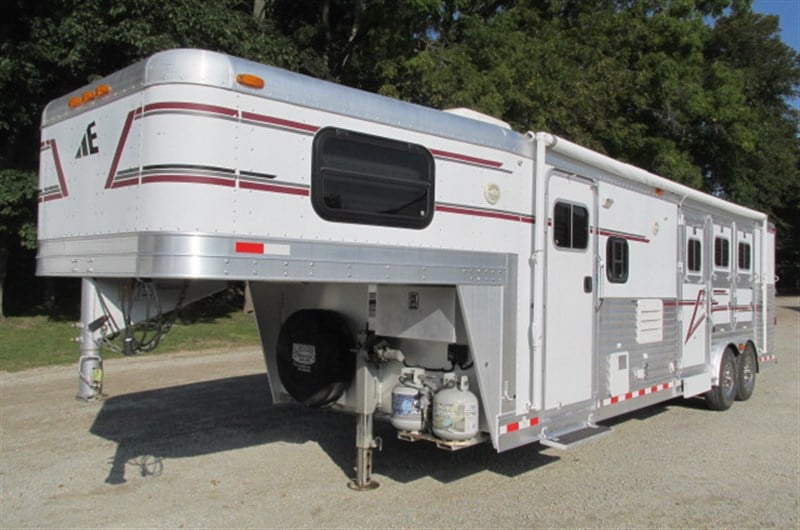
(694, 297)
(570, 292)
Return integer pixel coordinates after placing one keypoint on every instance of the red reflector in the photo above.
(249, 248)
(512, 427)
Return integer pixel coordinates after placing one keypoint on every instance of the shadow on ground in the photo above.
(152, 427)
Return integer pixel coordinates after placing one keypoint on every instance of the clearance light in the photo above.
(659, 192)
(102, 90)
(253, 81)
(89, 95)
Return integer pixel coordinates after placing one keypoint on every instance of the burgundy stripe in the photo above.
(279, 121)
(62, 181)
(630, 237)
(230, 183)
(273, 188)
(180, 105)
(466, 158)
(123, 138)
(484, 213)
(50, 198)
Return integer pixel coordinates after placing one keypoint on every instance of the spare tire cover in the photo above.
(315, 354)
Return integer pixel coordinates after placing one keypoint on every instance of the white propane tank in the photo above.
(455, 410)
(407, 401)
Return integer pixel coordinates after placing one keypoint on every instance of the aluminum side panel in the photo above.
(646, 364)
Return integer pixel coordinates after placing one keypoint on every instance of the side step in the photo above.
(573, 438)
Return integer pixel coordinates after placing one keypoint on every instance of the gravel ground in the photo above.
(191, 440)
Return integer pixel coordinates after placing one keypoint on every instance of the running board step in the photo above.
(571, 439)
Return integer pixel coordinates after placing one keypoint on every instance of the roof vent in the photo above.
(479, 116)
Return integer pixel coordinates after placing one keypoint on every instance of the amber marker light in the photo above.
(75, 101)
(253, 81)
(102, 90)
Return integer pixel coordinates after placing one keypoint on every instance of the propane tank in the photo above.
(408, 401)
(455, 410)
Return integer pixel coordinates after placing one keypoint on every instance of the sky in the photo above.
(789, 13)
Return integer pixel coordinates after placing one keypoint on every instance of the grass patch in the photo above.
(27, 342)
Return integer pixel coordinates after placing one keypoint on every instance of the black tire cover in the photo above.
(315, 355)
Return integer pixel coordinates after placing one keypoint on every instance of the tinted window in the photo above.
(694, 255)
(722, 257)
(617, 260)
(744, 257)
(570, 226)
(357, 178)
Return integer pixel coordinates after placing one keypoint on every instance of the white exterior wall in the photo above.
(650, 226)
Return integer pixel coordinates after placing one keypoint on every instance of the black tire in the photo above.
(722, 396)
(746, 368)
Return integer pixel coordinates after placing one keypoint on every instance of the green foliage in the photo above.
(17, 205)
(695, 90)
(27, 342)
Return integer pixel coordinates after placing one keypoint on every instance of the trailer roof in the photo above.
(208, 68)
(202, 67)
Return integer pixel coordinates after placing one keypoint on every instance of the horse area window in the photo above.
(744, 261)
(722, 259)
(358, 178)
(694, 256)
(617, 260)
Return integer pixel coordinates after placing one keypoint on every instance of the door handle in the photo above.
(587, 284)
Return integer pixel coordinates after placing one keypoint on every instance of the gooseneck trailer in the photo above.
(435, 269)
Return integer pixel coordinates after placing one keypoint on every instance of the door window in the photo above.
(570, 226)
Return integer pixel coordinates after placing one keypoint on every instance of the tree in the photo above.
(49, 49)
(649, 82)
(17, 216)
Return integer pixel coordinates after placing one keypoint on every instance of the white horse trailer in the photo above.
(433, 268)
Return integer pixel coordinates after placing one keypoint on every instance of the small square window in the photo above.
(570, 226)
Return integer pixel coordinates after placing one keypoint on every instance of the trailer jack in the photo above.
(365, 443)
(90, 364)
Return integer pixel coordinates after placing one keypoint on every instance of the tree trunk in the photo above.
(259, 7)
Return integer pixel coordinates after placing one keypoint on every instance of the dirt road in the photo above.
(191, 440)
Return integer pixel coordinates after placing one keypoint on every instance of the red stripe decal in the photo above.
(274, 188)
(485, 213)
(244, 247)
(279, 121)
(629, 237)
(466, 158)
(123, 137)
(629, 395)
(615, 400)
(62, 182)
(179, 105)
(230, 183)
(642, 392)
